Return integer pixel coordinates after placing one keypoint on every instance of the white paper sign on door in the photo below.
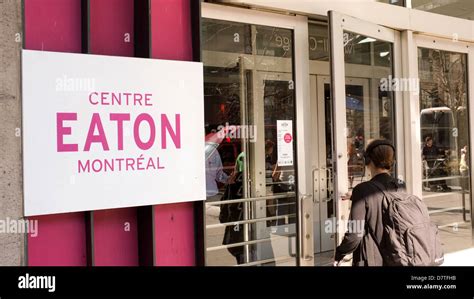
(285, 142)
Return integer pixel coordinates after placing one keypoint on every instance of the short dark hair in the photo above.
(382, 154)
(428, 138)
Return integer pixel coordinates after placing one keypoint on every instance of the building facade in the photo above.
(293, 92)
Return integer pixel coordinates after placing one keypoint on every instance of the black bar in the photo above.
(141, 23)
(85, 26)
(89, 222)
(244, 282)
(145, 236)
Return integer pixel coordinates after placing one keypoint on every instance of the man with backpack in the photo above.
(397, 227)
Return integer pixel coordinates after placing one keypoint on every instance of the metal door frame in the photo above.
(449, 45)
(338, 23)
(318, 136)
(299, 25)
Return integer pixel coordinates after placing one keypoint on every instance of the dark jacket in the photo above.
(367, 207)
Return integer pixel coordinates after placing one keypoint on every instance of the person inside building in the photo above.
(270, 170)
(362, 240)
(464, 168)
(214, 170)
(435, 165)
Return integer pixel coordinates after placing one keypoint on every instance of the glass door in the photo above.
(324, 209)
(362, 110)
(251, 101)
(273, 176)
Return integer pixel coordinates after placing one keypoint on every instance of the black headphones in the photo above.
(373, 145)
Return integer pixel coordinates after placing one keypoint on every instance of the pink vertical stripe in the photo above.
(61, 241)
(111, 27)
(171, 29)
(174, 223)
(55, 25)
(115, 235)
(174, 235)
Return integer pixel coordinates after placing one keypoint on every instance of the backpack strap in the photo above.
(379, 186)
(384, 192)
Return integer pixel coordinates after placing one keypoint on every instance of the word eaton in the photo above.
(37, 282)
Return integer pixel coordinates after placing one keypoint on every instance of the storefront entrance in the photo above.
(250, 97)
(291, 104)
(272, 130)
(324, 209)
(364, 110)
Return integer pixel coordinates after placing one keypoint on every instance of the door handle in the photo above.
(307, 227)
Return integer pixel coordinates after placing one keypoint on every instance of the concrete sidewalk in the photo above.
(460, 258)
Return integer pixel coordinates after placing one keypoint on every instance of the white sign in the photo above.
(285, 142)
(103, 132)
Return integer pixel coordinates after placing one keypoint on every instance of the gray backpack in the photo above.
(409, 238)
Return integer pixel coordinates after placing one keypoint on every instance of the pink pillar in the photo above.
(114, 232)
(55, 25)
(111, 27)
(170, 27)
(115, 241)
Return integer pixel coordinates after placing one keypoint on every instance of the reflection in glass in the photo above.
(394, 2)
(280, 174)
(223, 36)
(382, 54)
(274, 41)
(249, 119)
(369, 101)
(455, 8)
(445, 152)
(357, 48)
(318, 42)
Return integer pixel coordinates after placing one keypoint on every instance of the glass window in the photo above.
(369, 101)
(318, 42)
(357, 48)
(221, 36)
(250, 151)
(274, 41)
(445, 153)
(382, 54)
(454, 8)
(394, 2)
